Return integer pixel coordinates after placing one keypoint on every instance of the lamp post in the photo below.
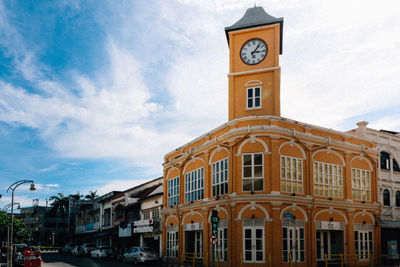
(12, 188)
(5, 209)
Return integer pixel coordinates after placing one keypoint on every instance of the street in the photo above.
(54, 259)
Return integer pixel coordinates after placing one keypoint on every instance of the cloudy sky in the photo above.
(94, 93)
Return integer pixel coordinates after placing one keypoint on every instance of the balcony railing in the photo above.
(89, 227)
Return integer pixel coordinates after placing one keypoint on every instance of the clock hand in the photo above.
(254, 51)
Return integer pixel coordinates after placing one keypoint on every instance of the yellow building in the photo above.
(284, 190)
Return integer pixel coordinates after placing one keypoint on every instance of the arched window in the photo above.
(385, 161)
(395, 166)
(386, 197)
(397, 198)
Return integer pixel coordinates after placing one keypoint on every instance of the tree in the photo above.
(91, 195)
(60, 205)
(20, 235)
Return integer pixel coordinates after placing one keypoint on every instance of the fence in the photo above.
(348, 260)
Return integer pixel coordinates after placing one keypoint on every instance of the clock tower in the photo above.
(255, 43)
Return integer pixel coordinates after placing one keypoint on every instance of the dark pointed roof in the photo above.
(255, 17)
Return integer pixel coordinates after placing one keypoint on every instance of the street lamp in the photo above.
(5, 209)
(12, 188)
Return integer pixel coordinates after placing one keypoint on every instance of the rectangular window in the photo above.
(253, 173)
(172, 244)
(293, 246)
(291, 175)
(363, 244)
(253, 97)
(361, 184)
(221, 248)
(328, 180)
(220, 177)
(146, 215)
(194, 185)
(155, 214)
(253, 243)
(173, 191)
(107, 217)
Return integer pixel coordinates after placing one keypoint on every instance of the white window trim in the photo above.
(364, 256)
(317, 183)
(298, 241)
(221, 174)
(252, 171)
(172, 244)
(253, 98)
(358, 180)
(170, 189)
(253, 243)
(188, 190)
(299, 174)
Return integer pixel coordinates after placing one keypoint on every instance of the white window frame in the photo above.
(222, 245)
(327, 182)
(252, 177)
(220, 177)
(361, 184)
(173, 191)
(253, 97)
(253, 239)
(172, 244)
(292, 247)
(194, 185)
(363, 245)
(291, 178)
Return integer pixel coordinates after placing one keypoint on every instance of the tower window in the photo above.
(254, 97)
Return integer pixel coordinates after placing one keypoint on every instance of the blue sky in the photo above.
(94, 93)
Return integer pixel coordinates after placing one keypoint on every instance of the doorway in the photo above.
(329, 242)
(194, 242)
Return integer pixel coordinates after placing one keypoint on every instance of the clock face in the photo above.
(253, 51)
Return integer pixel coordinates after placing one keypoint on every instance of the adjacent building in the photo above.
(388, 146)
(285, 191)
(44, 225)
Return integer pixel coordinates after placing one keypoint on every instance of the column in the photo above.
(276, 234)
(206, 234)
(274, 166)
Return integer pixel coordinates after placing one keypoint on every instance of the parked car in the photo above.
(3, 254)
(68, 248)
(76, 250)
(101, 252)
(18, 253)
(86, 248)
(141, 255)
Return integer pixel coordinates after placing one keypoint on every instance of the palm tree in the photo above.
(59, 204)
(91, 195)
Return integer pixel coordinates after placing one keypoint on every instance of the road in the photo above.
(52, 259)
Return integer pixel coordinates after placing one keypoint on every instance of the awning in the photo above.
(390, 224)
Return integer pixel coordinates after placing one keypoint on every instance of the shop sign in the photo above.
(193, 227)
(143, 222)
(330, 225)
(125, 230)
(143, 226)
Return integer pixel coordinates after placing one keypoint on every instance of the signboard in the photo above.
(143, 229)
(214, 223)
(192, 227)
(143, 222)
(213, 240)
(288, 215)
(143, 226)
(330, 225)
(125, 231)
